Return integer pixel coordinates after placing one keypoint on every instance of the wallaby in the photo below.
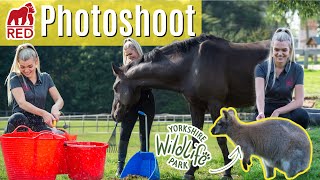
(278, 142)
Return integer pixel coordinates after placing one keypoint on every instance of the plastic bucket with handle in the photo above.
(86, 160)
(32, 155)
(63, 167)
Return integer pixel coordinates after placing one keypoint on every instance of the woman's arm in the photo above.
(297, 103)
(259, 87)
(58, 102)
(19, 96)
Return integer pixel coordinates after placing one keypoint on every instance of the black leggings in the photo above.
(145, 104)
(299, 115)
(35, 123)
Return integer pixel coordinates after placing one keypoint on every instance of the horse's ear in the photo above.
(116, 70)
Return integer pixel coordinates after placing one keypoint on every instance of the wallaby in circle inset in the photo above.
(279, 142)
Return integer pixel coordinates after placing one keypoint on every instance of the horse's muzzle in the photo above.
(114, 119)
(118, 115)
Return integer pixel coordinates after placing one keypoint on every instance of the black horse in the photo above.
(209, 71)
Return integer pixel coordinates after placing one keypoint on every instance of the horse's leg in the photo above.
(214, 108)
(197, 115)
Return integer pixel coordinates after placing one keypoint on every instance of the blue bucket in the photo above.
(142, 164)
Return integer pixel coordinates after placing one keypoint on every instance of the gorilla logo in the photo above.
(25, 12)
(21, 22)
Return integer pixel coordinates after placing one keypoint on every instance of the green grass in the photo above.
(312, 85)
(312, 89)
(169, 173)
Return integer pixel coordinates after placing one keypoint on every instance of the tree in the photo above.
(242, 21)
(6, 62)
(283, 9)
(305, 9)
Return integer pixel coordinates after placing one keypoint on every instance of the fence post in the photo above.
(97, 125)
(158, 123)
(82, 124)
(108, 123)
(69, 116)
(305, 62)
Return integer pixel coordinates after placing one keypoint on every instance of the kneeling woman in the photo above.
(275, 80)
(27, 90)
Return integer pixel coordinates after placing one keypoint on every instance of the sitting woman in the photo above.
(275, 80)
(27, 90)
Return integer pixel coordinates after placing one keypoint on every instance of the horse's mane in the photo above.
(125, 68)
(180, 47)
(183, 46)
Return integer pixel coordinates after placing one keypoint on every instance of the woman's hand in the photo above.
(55, 110)
(56, 113)
(260, 116)
(275, 113)
(48, 118)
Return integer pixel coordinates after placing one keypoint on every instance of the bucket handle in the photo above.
(22, 126)
(63, 130)
(41, 132)
(48, 132)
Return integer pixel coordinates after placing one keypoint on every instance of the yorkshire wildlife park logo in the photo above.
(180, 149)
(20, 22)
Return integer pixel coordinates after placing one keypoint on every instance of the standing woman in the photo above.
(132, 51)
(27, 89)
(275, 80)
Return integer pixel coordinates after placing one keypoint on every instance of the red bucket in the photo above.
(86, 160)
(63, 167)
(32, 155)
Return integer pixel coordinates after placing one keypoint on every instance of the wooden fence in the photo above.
(103, 123)
(306, 53)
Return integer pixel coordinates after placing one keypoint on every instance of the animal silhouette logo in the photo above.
(20, 22)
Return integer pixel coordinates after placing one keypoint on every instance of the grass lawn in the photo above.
(168, 172)
(312, 85)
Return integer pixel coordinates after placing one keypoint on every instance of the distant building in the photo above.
(312, 32)
(313, 42)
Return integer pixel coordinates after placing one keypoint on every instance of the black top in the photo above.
(281, 91)
(35, 94)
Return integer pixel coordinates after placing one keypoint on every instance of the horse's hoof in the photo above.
(188, 177)
(226, 177)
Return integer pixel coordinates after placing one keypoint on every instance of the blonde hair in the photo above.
(23, 52)
(281, 34)
(132, 44)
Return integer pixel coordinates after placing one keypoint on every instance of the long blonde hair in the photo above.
(131, 44)
(23, 52)
(281, 34)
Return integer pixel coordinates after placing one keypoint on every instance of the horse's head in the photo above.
(126, 93)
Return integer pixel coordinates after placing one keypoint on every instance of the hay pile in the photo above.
(136, 177)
